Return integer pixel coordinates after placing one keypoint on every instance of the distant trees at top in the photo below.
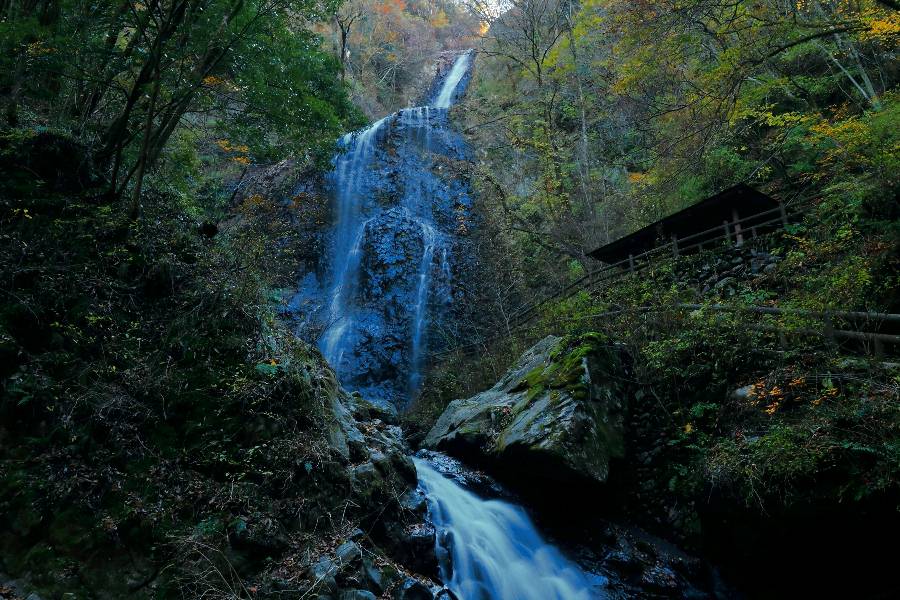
(386, 45)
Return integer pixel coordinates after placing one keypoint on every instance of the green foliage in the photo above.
(638, 109)
(128, 80)
(643, 108)
(301, 115)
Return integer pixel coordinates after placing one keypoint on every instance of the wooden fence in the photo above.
(867, 326)
(736, 231)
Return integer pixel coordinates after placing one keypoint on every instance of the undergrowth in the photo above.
(152, 404)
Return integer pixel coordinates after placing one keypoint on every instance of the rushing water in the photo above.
(388, 282)
(490, 549)
(446, 93)
(350, 230)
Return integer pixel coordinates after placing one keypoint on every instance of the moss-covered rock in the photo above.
(557, 413)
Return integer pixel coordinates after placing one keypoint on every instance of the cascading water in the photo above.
(490, 550)
(429, 239)
(349, 176)
(395, 239)
(399, 231)
(448, 89)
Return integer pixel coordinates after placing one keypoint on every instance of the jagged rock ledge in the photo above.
(556, 415)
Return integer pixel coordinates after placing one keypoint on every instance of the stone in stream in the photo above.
(413, 589)
(558, 413)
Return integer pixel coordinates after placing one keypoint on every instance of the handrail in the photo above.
(874, 336)
(632, 261)
(741, 221)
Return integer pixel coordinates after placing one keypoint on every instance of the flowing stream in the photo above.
(490, 549)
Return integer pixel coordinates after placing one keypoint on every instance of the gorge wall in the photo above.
(383, 290)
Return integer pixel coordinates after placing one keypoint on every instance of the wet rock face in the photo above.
(393, 240)
(385, 280)
(639, 565)
(557, 414)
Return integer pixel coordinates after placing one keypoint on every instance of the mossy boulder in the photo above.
(557, 414)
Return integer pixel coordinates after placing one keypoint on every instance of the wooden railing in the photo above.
(737, 231)
(732, 232)
(868, 325)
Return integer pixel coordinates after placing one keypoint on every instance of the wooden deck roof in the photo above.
(706, 214)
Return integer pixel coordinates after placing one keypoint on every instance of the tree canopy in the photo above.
(615, 113)
(125, 76)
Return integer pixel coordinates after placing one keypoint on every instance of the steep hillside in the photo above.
(163, 435)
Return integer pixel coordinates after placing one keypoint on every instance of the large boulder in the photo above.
(557, 414)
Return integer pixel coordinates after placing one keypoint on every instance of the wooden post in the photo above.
(782, 339)
(879, 347)
(727, 231)
(674, 246)
(753, 232)
(631, 263)
(828, 329)
(739, 236)
(784, 219)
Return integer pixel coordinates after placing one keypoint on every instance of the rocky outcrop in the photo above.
(390, 552)
(558, 413)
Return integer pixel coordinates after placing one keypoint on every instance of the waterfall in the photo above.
(349, 175)
(448, 89)
(490, 549)
(429, 238)
(341, 319)
(389, 251)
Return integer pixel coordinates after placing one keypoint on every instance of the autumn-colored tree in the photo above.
(643, 106)
(387, 46)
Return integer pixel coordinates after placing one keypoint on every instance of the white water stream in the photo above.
(445, 95)
(492, 551)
